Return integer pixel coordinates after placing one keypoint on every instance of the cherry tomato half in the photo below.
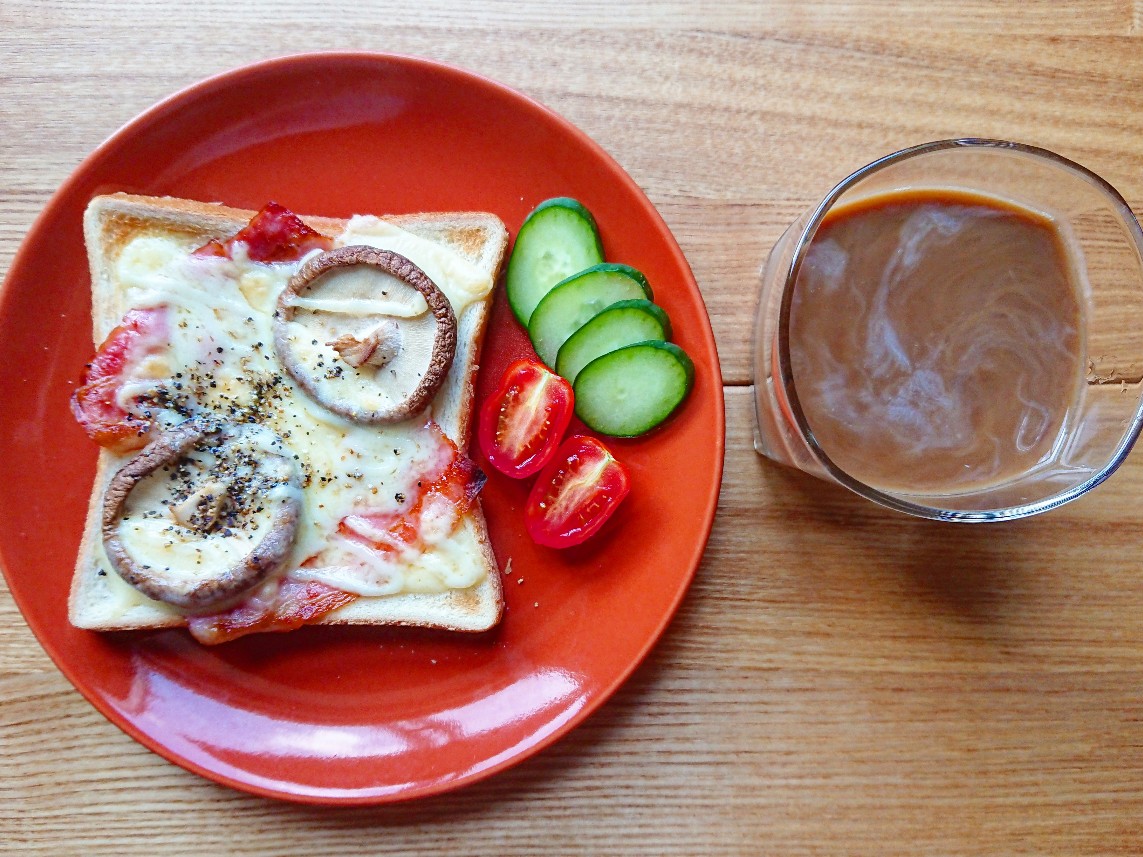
(95, 402)
(522, 424)
(575, 494)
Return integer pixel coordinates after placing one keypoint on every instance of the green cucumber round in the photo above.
(633, 389)
(571, 303)
(559, 238)
(623, 323)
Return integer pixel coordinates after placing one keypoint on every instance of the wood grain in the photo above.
(777, 116)
(840, 680)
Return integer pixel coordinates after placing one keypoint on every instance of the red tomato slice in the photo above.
(95, 402)
(274, 234)
(521, 425)
(575, 494)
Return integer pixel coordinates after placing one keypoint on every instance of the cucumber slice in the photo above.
(559, 238)
(631, 390)
(624, 323)
(571, 303)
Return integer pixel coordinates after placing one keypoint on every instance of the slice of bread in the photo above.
(98, 597)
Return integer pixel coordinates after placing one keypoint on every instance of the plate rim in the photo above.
(203, 89)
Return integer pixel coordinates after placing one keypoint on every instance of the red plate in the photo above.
(327, 715)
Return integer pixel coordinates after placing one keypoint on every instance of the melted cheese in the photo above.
(404, 567)
(460, 280)
(350, 306)
(221, 359)
(181, 554)
(120, 598)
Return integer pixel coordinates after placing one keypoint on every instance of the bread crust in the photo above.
(113, 220)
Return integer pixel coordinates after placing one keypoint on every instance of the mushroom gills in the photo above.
(203, 514)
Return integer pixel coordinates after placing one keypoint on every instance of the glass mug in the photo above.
(955, 332)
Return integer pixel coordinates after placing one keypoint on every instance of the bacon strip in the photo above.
(274, 234)
(295, 603)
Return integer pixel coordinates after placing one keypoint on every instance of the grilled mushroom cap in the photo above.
(203, 513)
(365, 333)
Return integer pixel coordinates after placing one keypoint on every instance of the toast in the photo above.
(100, 599)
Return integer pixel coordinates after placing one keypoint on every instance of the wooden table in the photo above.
(840, 680)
